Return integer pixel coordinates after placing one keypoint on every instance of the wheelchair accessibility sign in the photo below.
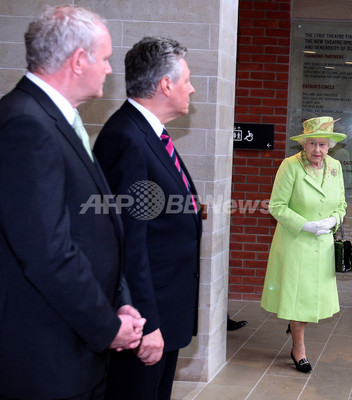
(253, 136)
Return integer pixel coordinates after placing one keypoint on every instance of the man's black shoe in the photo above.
(234, 325)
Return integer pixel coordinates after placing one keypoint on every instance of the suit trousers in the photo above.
(130, 379)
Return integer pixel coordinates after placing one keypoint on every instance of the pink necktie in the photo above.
(166, 139)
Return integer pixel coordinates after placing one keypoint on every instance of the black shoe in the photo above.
(288, 330)
(302, 365)
(234, 325)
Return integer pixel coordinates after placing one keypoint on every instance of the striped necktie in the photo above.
(82, 134)
(166, 139)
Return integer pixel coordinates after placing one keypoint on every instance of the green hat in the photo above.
(320, 127)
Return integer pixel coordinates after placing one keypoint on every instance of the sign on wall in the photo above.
(253, 136)
(321, 85)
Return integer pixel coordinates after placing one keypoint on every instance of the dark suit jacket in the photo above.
(162, 252)
(59, 269)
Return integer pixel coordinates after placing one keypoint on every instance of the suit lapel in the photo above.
(314, 183)
(63, 127)
(163, 156)
(156, 145)
(72, 139)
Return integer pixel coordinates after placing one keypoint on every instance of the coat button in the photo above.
(196, 275)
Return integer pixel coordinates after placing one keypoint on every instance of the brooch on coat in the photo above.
(334, 172)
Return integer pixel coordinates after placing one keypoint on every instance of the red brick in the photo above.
(263, 93)
(266, 5)
(242, 288)
(243, 58)
(246, 255)
(283, 59)
(255, 264)
(280, 111)
(265, 188)
(263, 58)
(244, 92)
(263, 256)
(247, 170)
(284, 42)
(249, 83)
(255, 247)
(264, 239)
(259, 162)
(260, 272)
(235, 263)
(247, 118)
(242, 109)
(265, 23)
(241, 74)
(251, 14)
(280, 94)
(239, 161)
(249, 297)
(265, 41)
(275, 50)
(278, 33)
(245, 40)
(274, 120)
(282, 76)
(251, 49)
(236, 245)
(235, 296)
(246, 187)
(285, 6)
(243, 272)
(249, 67)
(244, 23)
(278, 15)
(270, 67)
(247, 153)
(253, 281)
(275, 102)
(240, 220)
(259, 179)
(236, 279)
(262, 75)
(241, 238)
(248, 101)
(261, 110)
(238, 179)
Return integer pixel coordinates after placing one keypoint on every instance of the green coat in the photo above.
(300, 281)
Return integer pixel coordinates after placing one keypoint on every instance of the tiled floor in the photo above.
(259, 366)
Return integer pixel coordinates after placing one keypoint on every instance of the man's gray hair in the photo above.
(54, 36)
(149, 60)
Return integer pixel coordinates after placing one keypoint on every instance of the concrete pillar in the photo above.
(208, 28)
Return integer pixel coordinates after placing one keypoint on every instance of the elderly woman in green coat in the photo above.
(308, 202)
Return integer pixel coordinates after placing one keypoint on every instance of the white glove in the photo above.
(321, 227)
(311, 226)
(327, 223)
(322, 232)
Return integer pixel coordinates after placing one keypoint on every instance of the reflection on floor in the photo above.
(259, 366)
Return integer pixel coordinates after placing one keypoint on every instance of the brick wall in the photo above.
(261, 97)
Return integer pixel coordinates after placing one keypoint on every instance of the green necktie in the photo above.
(82, 134)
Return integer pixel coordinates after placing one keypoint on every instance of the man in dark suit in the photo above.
(159, 210)
(63, 301)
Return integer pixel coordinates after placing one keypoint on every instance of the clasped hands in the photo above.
(131, 329)
(148, 348)
(320, 227)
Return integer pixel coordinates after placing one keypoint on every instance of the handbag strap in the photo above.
(342, 231)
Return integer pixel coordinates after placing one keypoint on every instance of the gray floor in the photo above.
(258, 358)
